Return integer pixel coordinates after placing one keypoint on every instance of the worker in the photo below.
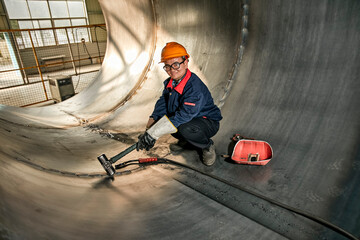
(188, 104)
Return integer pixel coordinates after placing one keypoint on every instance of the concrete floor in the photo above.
(290, 78)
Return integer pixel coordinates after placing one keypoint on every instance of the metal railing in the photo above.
(28, 57)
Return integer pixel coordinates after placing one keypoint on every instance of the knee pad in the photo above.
(188, 130)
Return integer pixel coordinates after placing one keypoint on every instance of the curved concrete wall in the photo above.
(283, 71)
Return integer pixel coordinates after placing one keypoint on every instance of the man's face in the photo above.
(176, 74)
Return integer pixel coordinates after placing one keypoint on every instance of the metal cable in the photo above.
(169, 161)
(277, 203)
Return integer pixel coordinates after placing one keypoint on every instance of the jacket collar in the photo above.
(180, 87)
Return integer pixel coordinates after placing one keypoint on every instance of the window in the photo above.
(30, 14)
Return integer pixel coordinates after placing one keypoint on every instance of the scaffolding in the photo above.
(29, 57)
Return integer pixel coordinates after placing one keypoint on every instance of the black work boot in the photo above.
(209, 155)
(177, 147)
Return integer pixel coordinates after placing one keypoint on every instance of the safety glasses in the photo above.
(175, 66)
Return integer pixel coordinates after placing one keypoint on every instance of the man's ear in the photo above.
(186, 62)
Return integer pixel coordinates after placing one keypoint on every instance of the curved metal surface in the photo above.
(283, 71)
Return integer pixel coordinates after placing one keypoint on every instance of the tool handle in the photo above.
(147, 160)
(123, 153)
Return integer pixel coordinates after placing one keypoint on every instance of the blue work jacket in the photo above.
(189, 99)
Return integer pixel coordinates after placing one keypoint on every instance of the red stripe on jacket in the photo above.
(189, 103)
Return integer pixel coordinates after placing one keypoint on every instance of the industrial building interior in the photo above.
(285, 72)
(44, 43)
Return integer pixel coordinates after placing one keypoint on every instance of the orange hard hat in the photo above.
(173, 50)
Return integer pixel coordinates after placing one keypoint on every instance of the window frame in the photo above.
(37, 35)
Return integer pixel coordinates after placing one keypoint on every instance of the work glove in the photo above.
(145, 142)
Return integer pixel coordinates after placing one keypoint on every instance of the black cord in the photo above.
(85, 48)
(241, 188)
(127, 163)
(77, 45)
(97, 43)
(292, 209)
